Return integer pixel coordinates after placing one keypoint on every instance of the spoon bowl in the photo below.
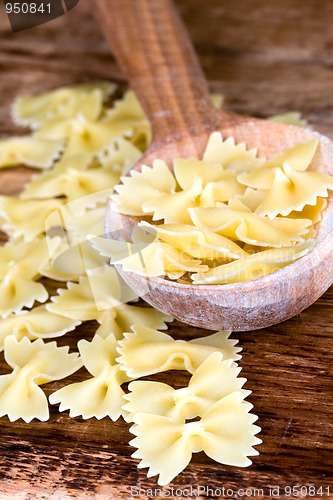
(152, 47)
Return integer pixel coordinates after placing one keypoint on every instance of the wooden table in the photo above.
(266, 57)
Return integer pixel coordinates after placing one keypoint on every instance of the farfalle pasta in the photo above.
(102, 395)
(149, 259)
(237, 222)
(198, 243)
(91, 296)
(100, 296)
(254, 265)
(34, 363)
(64, 103)
(290, 118)
(128, 111)
(188, 402)
(32, 151)
(224, 210)
(26, 219)
(19, 270)
(120, 156)
(228, 217)
(72, 179)
(229, 155)
(35, 323)
(89, 137)
(225, 430)
(145, 351)
(148, 184)
(121, 318)
(290, 186)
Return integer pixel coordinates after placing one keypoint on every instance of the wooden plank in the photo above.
(266, 57)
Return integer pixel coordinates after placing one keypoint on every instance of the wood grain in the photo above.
(266, 57)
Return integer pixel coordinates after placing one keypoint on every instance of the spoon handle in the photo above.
(152, 47)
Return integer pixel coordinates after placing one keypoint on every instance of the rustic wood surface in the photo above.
(266, 57)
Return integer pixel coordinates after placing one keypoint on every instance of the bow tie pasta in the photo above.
(224, 210)
(227, 217)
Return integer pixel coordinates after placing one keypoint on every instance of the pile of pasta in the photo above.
(82, 141)
(227, 218)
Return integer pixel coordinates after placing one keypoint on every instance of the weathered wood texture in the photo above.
(266, 57)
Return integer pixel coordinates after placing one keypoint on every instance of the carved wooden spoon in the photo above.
(154, 51)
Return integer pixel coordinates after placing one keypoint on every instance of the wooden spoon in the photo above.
(153, 50)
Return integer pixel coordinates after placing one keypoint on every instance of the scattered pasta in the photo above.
(32, 151)
(225, 433)
(189, 402)
(145, 351)
(165, 441)
(102, 395)
(101, 296)
(26, 219)
(224, 210)
(19, 270)
(34, 363)
(218, 221)
(34, 324)
(64, 103)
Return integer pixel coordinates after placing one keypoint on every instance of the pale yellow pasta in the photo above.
(68, 263)
(100, 296)
(292, 190)
(62, 103)
(32, 151)
(26, 219)
(252, 198)
(189, 402)
(79, 258)
(174, 207)
(34, 363)
(72, 178)
(229, 194)
(201, 184)
(129, 111)
(145, 351)
(102, 395)
(230, 155)
(79, 226)
(201, 244)
(53, 183)
(298, 157)
(217, 99)
(152, 258)
(88, 137)
(313, 213)
(225, 432)
(121, 156)
(290, 186)
(238, 222)
(19, 268)
(72, 222)
(290, 118)
(254, 265)
(34, 324)
(189, 170)
(147, 185)
(126, 108)
(86, 300)
(120, 319)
